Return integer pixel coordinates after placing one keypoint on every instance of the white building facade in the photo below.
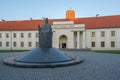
(66, 35)
(96, 33)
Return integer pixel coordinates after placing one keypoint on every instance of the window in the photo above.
(7, 35)
(7, 44)
(112, 43)
(112, 33)
(0, 35)
(93, 44)
(22, 35)
(29, 44)
(36, 35)
(22, 44)
(14, 44)
(37, 44)
(102, 33)
(93, 34)
(0, 44)
(14, 35)
(102, 44)
(29, 35)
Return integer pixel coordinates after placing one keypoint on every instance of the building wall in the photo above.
(18, 39)
(107, 39)
(57, 32)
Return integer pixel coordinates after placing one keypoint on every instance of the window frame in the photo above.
(22, 44)
(93, 44)
(22, 35)
(102, 44)
(112, 43)
(112, 34)
(93, 34)
(102, 33)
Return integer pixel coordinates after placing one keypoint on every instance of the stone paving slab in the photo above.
(96, 66)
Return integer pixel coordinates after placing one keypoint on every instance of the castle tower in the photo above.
(70, 14)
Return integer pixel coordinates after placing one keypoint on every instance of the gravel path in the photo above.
(96, 66)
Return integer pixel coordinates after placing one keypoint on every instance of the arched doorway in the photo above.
(63, 41)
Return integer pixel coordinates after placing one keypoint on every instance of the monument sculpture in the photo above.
(45, 55)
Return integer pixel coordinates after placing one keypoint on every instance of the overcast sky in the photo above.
(54, 9)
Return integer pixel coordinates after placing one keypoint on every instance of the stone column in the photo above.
(78, 39)
(73, 46)
(84, 40)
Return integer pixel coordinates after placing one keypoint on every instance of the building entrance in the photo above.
(63, 45)
(63, 42)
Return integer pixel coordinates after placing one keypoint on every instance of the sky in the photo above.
(56, 9)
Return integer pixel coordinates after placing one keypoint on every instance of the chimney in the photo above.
(31, 19)
(97, 15)
(3, 20)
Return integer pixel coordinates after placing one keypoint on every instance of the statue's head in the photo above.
(46, 27)
(46, 20)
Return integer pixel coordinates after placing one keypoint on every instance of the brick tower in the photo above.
(70, 14)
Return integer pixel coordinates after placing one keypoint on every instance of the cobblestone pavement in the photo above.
(96, 66)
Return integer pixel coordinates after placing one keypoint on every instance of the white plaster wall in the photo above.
(18, 40)
(118, 39)
(107, 38)
(3, 39)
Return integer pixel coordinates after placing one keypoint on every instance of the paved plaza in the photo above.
(96, 66)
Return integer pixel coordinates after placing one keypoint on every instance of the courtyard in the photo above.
(96, 66)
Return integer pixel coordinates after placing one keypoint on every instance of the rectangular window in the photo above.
(29, 44)
(7, 44)
(112, 43)
(0, 35)
(102, 33)
(112, 33)
(102, 44)
(93, 44)
(93, 34)
(22, 35)
(14, 35)
(7, 35)
(14, 44)
(36, 35)
(37, 44)
(0, 44)
(22, 44)
(29, 35)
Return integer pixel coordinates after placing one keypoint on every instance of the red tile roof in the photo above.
(100, 22)
(90, 23)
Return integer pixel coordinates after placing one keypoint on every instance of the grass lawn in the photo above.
(2, 51)
(109, 51)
